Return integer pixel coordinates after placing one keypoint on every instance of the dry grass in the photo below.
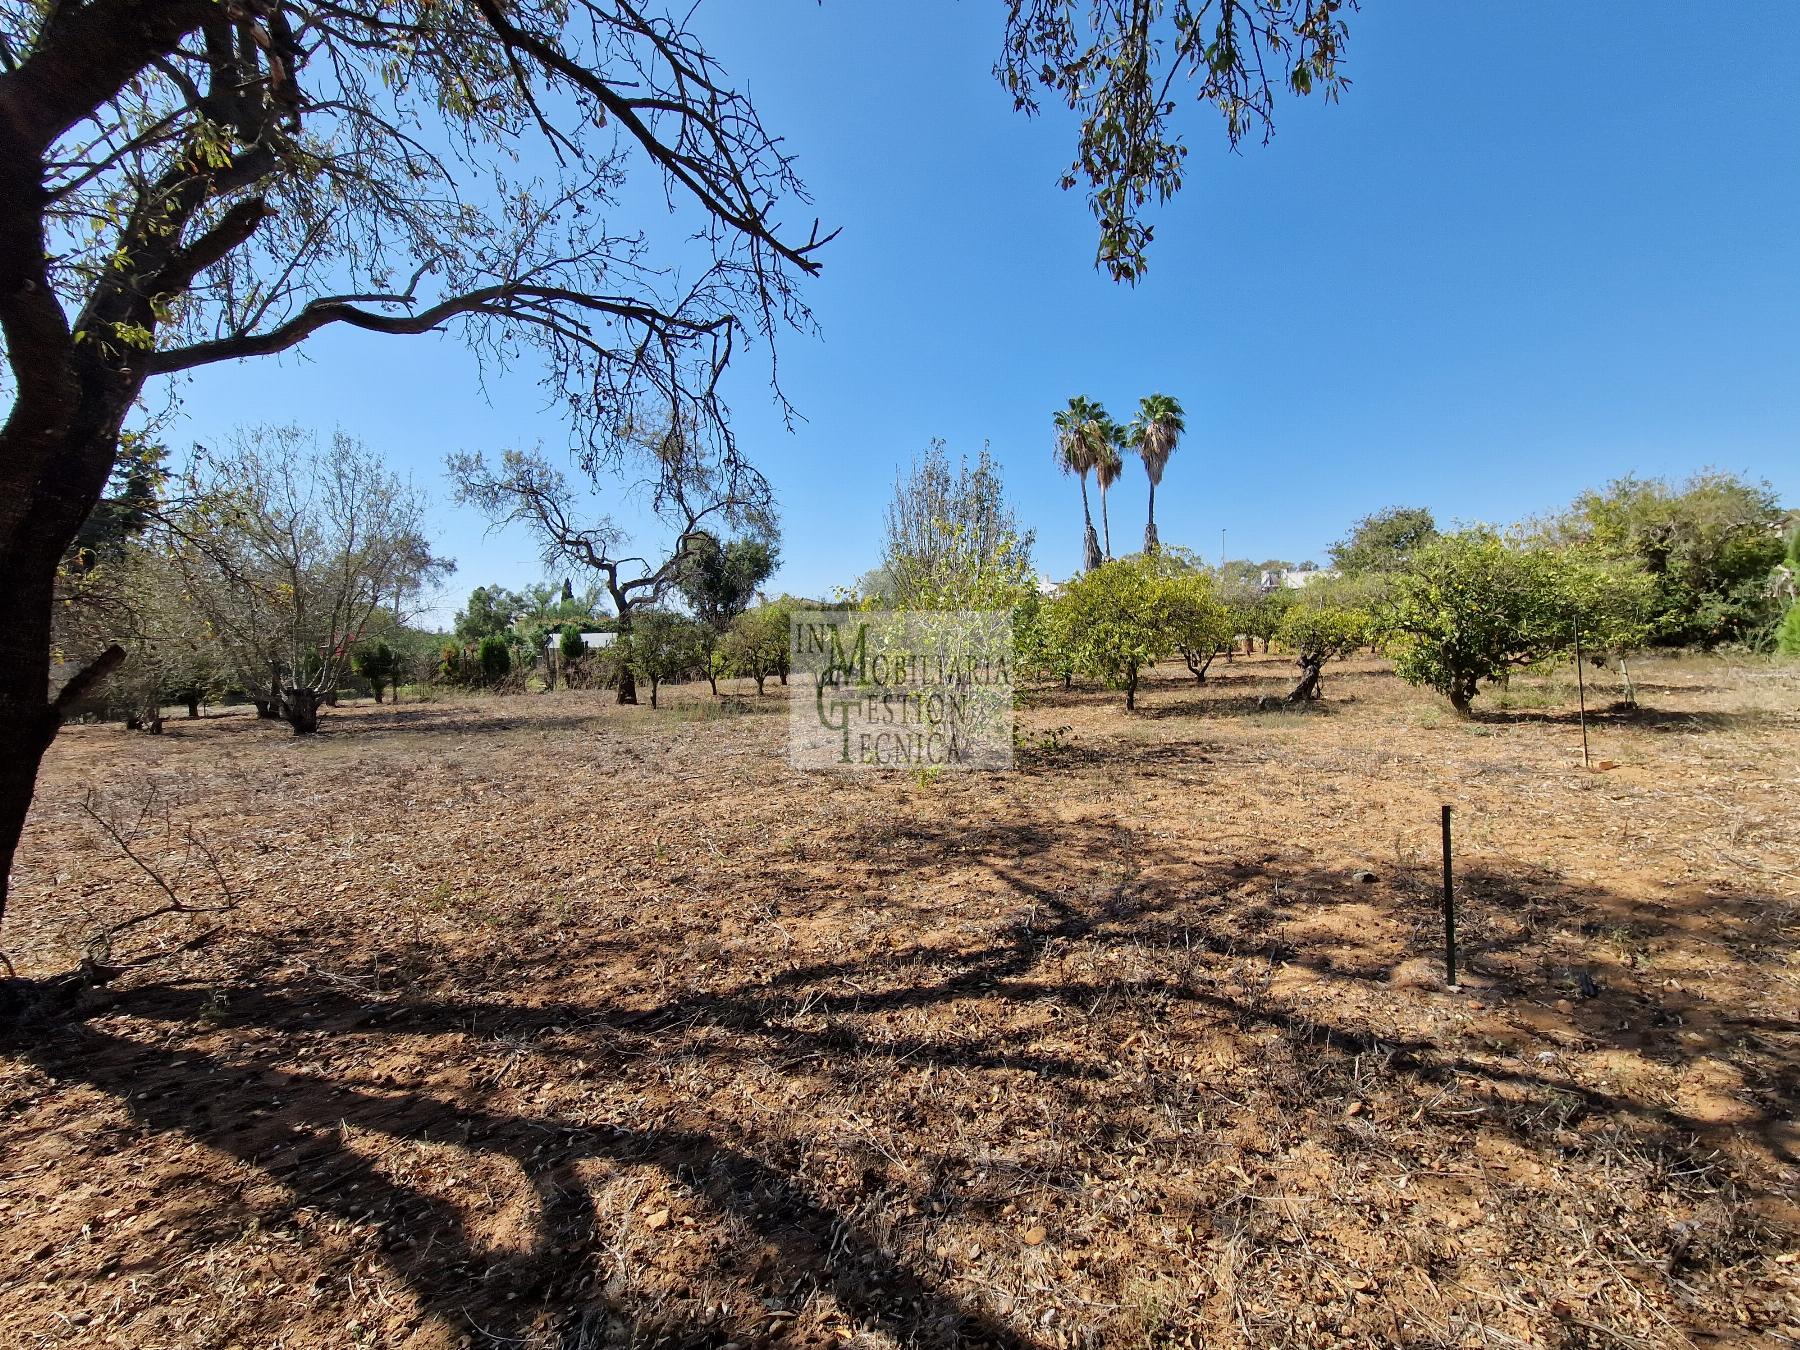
(553, 1024)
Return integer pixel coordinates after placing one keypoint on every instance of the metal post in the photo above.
(1581, 693)
(1449, 909)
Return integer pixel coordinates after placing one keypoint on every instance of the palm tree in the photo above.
(1076, 454)
(1108, 465)
(1158, 426)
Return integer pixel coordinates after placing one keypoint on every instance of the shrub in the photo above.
(571, 644)
(494, 659)
(453, 664)
(1787, 632)
(376, 664)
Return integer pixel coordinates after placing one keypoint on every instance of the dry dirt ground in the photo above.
(547, 1023)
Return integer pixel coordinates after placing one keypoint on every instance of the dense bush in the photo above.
(1708, 545)
(494, 659)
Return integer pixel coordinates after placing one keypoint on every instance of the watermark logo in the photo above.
(901, 689)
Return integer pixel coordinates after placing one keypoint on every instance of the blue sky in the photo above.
(1535, 247)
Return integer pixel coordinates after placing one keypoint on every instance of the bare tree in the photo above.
(696, 487)
(184, 182)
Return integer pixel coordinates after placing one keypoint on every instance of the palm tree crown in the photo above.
(1158, 427)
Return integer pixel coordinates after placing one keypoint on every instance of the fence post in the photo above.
(1449, 908)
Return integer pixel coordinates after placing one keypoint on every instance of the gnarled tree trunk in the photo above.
(1311, 686)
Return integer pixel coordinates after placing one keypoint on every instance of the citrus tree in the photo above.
(1472, 606)
(1316, 631)
(1120, 617)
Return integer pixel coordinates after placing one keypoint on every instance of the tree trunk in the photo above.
(300, 707)
(1311, 686)
(654, 683)
(1150, 540)
(193, 707)
(28, 717)
(1131, 678)
(1090, 542)
(1461, 696)
(377, 687)
(1106, 524)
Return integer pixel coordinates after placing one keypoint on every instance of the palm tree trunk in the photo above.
(1105, 523)
(1090, 541)
(1150, 540)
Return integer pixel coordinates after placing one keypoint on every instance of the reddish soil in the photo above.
(547, 1023)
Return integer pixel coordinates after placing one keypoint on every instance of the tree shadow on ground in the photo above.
(1650, 719)
(1087, 922)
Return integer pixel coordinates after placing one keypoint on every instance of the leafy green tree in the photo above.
(1385, 541)
(376, 663)
(1116, 619)
(1155, 432)
(1200, 622)
(1037, 652)
(756, 644)
(1472, 606)
(668, 646)
(1316, 630)
(1261, 616)
(1079, 438)
(489, 613)
(1709, 544)
(719, 580)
